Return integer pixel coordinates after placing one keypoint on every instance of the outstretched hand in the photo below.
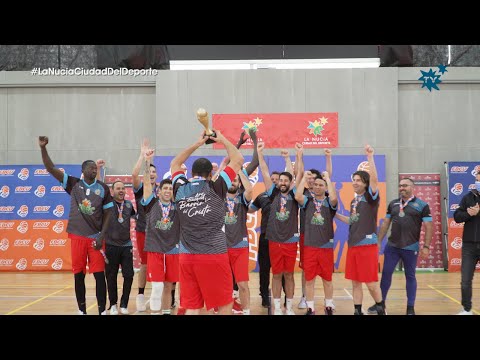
(43, 141)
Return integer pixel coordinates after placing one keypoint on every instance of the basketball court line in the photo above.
(36, 301)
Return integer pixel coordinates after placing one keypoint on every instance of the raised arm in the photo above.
(299, 161)
(247, 185)
(328, 162)
(236, 157)
(288, 162)
(332, 193)
(47, 162)
(176, 164)
(300, 189)
(136, 169)
(254, 163)
(100, 165)
(147, 185)
(373, 170)
(264, 167)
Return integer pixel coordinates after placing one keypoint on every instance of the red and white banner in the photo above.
(427, 188)
(281, 130)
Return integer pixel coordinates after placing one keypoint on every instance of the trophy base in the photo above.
(210, 141)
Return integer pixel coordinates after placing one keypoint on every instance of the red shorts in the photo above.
(302, 246)
(318, 261)
(162, 267)
(140, 246)
(239, 262)
(206, 280)
(83, 252)
(282, 256)
(362, 263)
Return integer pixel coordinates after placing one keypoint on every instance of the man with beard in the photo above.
(406, 214)
(282, 230)
(119, 249)
(237, 202)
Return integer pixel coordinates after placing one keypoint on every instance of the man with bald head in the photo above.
(406, 214)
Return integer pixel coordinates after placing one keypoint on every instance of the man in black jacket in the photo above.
(468, 212)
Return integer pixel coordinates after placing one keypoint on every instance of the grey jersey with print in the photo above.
(283, 225)
(236, 223)
(319, 229)
(118, 233)
(201, 210)
(366, 223)
(162, 234)
(87, 204)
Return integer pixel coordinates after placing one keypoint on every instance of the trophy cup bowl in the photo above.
(202, 117)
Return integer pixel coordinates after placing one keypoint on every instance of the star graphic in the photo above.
(249, 125)
(430, 79)
(323, 120)
(442, 69)
(258, 121)
(315, 127)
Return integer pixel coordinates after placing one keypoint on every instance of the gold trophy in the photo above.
(202, 117)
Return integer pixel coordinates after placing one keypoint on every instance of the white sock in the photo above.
(289, 304)
(329, 303)
(246, 311)
(276, 303)
(156, 296)
(310, 304)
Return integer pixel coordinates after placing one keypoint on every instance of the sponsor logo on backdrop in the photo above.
(41, 172)
(22, 227)
(40, 262)
(59, 210)
(459, 169)
(457, 189)
(23, 189)
(476, 170)
(4, 244)
(57, 264)
(22, 242)
(23, 211)
(6, 262)
(471, 187)
(58, 227)
(39, 244)
(41, 224)
(58, 242)
(457, 243)
(4, 191)
(7, 209)
(21, 264)
(7, 172)
(454, 207)
(454, 224)
(23, 174)
(57, 189)
(40, 191)
(7, 225)
(455, 261)
(41, 209)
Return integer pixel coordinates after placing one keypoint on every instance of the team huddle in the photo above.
(193, 232)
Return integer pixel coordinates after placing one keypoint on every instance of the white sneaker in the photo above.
(303, 303)
(141, 305)
(278, 312)
(464, 312)
(290, 312)
(124, 311)
(104, 312)
(80, 312)
(113, 310)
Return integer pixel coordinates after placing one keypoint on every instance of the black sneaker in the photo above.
(372, 310)
(265, 301)
(328, 310)
(357, 312)
(381, 310)
(310, 312)
(410, 310)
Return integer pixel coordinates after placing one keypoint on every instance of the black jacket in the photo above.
(471, 229)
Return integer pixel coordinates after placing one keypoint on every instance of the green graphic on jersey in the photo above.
(282, 215)
(86, 207)
(317, 219)
(230, 219)
(164, 224)
(354, 218)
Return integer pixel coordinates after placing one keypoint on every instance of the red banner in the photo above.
(281, 130)
(427, 188)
